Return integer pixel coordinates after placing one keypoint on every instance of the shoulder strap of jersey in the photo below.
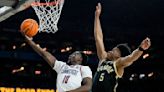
(80, 70)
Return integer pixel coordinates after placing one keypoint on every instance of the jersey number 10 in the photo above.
(66, 77)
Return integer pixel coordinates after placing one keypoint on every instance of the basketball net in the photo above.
(48, 14)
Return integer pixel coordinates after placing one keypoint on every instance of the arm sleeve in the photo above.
(58, 66)
(86, 72)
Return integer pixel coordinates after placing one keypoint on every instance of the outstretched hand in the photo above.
(98, 10)
(145, 44)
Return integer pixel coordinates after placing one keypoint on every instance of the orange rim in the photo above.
(37, 3)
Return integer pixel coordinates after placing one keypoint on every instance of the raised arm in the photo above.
(128, 60)
(102, 54)
(45, 54)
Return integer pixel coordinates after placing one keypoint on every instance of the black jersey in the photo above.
(105, 79)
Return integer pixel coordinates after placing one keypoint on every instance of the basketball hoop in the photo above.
(48, 14)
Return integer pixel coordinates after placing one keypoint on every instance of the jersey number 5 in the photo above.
(66, 77)
(101, 77)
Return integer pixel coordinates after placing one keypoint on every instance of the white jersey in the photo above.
(69, 77)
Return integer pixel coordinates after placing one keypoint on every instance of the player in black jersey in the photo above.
(112, 63)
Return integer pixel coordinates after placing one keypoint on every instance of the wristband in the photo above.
(141, 49)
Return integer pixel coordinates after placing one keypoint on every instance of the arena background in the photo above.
(123, 21)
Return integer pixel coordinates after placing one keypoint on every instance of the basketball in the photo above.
(29, 27)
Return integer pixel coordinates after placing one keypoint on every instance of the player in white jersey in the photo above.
(71, 77)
